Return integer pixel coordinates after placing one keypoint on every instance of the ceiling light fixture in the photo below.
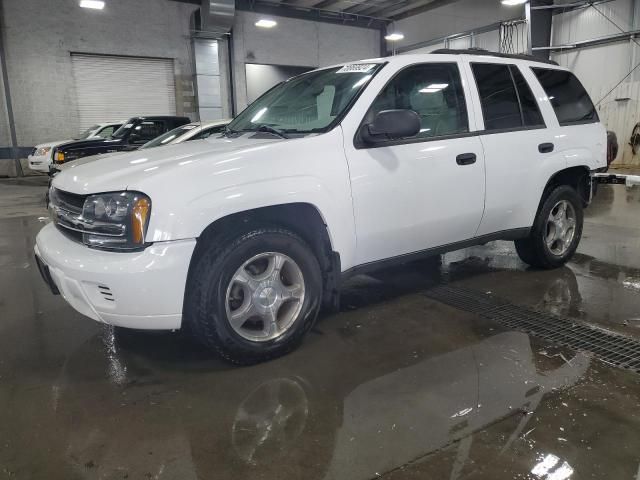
(512, 3)
(394, 37)
(94, 4)
(266, 23)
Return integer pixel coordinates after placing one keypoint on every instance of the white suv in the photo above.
(242, 238)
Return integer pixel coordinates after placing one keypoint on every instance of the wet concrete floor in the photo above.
(396, 386)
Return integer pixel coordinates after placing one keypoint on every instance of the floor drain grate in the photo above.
(612, 348)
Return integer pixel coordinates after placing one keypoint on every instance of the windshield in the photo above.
(170, 136)
(124, 129)
(87, 133)
(307, 103)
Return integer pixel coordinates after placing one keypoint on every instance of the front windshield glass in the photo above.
(170, 136)
(124, 129)
(87, 133)
(307, 103)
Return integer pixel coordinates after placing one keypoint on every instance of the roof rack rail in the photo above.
(482, 51)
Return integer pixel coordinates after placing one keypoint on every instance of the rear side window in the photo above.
(568, 97)
(506, 99)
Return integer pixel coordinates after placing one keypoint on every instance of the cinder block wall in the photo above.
(296, 42)
(42, 34)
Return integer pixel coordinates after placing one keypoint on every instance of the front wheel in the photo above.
(556, 230)
(254, 298)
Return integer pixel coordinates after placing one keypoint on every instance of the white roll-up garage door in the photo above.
(110, 88)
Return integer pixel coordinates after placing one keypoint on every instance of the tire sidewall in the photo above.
(559, 193)
(248, 246)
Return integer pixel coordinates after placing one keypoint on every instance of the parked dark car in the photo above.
(134, 133)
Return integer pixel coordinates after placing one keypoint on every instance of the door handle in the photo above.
(545, 147)
(466, 158)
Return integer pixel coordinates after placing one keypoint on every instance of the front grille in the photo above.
(65, 208)
(70, 202)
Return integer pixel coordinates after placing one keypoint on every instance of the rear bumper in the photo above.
(143, 290)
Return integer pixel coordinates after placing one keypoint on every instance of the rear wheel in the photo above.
(556, 231)
(254, 298)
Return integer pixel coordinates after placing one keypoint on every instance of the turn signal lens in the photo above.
(60, 157)
(139, 217)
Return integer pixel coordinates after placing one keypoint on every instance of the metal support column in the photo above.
(7, 95)
(539, 21)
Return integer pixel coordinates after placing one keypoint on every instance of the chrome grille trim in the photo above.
(66, 212)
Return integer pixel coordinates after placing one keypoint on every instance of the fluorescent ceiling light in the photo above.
(394, 37)
(258, 115)
(95, 4)
(265, 23)
(513, 2)
(434, 87)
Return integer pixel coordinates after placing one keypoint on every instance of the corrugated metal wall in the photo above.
(600, 68)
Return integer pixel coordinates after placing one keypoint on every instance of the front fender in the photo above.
(311, 170)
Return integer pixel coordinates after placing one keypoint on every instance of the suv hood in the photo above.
(81, 144)
(132, 170)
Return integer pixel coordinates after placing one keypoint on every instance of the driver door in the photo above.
(426, 191)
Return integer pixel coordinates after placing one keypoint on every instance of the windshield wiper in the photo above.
(269, 129)
(227, 132)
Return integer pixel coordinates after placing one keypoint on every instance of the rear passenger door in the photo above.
(516, 142)
(425, 191)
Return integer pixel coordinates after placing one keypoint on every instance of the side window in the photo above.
(498, 97)
(106, 132)
(207, 132)
(433, 91)
(568, 97)
(149, 130)
(530, 110)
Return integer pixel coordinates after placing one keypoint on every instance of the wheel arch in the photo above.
(304, 219)
(577, 177)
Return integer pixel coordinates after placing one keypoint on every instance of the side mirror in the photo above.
(391, 125)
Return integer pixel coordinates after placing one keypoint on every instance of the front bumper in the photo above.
(39, 164)
(142, 290)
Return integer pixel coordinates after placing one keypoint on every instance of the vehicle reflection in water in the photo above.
(270, 420)
(138, 422)
(401, 417)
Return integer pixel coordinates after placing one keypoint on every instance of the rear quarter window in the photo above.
(568, 97)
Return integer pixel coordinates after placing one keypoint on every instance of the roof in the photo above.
(487, 53)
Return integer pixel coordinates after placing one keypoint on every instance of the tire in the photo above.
(225, 282)
(537, 249)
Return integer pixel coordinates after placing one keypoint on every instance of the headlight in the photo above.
(42, 151)
(116, 221)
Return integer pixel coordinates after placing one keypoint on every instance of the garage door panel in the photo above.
(116, 88)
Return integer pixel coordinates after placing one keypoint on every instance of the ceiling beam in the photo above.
(422, 8)
(359, 6)
(311, 13)
(390, 6)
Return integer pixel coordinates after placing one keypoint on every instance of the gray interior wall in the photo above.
(456, 17)
(297, 43)
(261, 78)
(41, 35)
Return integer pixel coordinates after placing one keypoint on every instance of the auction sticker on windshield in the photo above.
(357, 68)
